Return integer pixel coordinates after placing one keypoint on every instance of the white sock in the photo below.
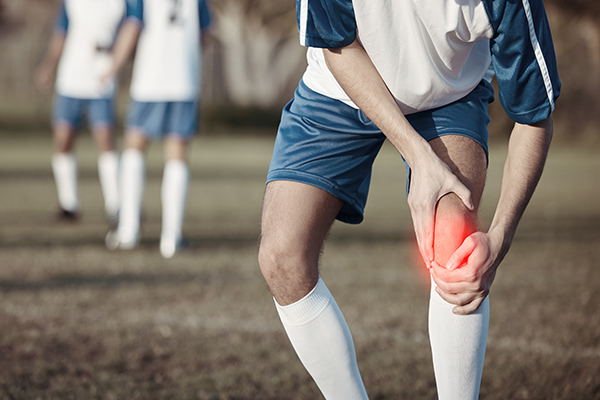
(108, 171)
(319, 334)
(64, 167)
(458, 348)
(132, 193)
(174, 190)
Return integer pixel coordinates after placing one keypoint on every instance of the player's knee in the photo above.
(453, 224)
(272, 258)
(279, 261)
(266, 256)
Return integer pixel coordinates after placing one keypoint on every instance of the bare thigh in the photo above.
(64, 138)
(454, 222)
(295, 221)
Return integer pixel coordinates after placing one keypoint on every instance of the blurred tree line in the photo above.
(254, 62)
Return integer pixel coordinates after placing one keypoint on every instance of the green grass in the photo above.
(79, 322)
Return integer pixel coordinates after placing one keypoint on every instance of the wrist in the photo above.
(500, 240)
(417, 153)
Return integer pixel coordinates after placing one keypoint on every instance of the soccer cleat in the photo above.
(168, 248)
(112, 241)
(67, 216)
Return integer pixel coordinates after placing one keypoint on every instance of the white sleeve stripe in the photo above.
(539, 55)
(303, 21)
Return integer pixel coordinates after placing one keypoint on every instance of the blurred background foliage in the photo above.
(254, 63)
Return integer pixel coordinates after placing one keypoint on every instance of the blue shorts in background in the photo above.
(71, 111)
(327, 144)
(159, 119)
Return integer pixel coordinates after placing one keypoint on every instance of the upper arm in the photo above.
(523, 59)
(204, 14)
(61, 24)
(326, 23)
(135, 11)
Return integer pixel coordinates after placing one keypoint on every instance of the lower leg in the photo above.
(323, 342)
(458, 348)
(108, 169)
(64, 168)
(457, 342)
(296, 219)
(174, 191)
(132, 189)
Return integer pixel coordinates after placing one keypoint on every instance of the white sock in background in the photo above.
(458, 348)
(174, 190)
(108, 171)
(132, 193)
(64, 167)
(319, 334)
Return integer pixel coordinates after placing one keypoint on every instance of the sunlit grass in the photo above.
(79, 322)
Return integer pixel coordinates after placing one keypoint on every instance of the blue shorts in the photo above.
(159, 119)
(327, 144)
(70, 111)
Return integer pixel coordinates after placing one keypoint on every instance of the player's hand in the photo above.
(430, 180)
(466, 279)
(107, 77)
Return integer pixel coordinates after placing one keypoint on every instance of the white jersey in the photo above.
(432, 53)
(90, 27)
(168, 57)
(442, 57)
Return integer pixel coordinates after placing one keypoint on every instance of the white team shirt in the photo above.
(426, 56)
(433, 52)
(168, 58)
(91, 27)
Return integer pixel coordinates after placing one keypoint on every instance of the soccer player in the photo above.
(164, 90)
(417, 73)
(79, 53)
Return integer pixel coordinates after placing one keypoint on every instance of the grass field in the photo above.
(79, 322)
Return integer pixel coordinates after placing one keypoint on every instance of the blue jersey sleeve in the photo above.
(523, 59)
(135, 10)
(62, 20)
(204, 14)
(326, 23)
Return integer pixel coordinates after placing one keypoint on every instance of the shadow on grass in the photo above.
(169, 278)
(566, 229)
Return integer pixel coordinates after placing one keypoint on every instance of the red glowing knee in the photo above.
(451, 229)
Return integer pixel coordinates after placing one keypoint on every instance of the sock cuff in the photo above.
(132, 153)
(110, 156)
(176, 163)
(307, 308)
(62, 158)
(176, 169)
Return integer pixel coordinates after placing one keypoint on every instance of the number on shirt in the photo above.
(174, 16)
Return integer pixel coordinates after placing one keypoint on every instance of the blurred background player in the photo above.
(165, 89)
(79, 53)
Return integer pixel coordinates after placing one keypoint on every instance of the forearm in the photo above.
(52, 55)
(431, 178)
(356, 74)
(206, 37)
(125, 44)
(527, 152)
